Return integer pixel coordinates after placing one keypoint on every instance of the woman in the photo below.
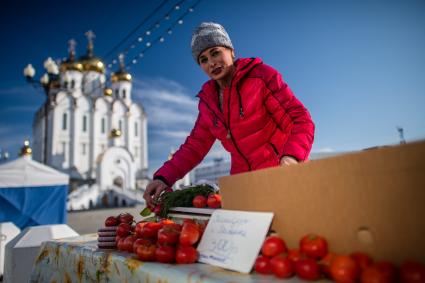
(247, 106)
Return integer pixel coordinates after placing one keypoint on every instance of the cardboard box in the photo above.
(371, 201)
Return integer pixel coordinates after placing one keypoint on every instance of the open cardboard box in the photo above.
(371, 201)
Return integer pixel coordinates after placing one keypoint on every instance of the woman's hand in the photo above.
(288, 160)
(153, 191)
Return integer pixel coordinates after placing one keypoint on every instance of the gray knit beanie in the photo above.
(208, 35)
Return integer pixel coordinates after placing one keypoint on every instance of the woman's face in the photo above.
(217, 62)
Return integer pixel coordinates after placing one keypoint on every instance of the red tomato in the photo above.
(325, 264)
(344, 269)
(214, 201)
(374, 274)
(165, 254)
(150, 230)
(307, 268)
(123, 229)
(272, 246)
(146, 252)
(282, 266)
(120, 244)
(125, 218)
(294, 255)
(128, 243)
(168, 235)
(363, 260)
(111, 221)
(199, 201)
(138, 242)
(186, 254)
(412, 272)
(189, 235)
(262, 265)
(166, 221)
(314, 246)
(139, 227)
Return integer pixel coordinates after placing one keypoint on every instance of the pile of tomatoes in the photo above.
(312, 261)
(212, 201)
(164, 241)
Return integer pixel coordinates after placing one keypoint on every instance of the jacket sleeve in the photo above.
(190, 153)
(282, 103)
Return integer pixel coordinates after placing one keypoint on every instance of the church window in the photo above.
(120, 125)
(116, 93)
(136, 129)
(65, 84)
(123, 93)
(103, 125)
(64, 121)
(72, 84)
(84, 123)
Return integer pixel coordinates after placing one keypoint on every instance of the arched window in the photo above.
(117, 93)
(103, 126)
(72, 84)
(120, 125)
(136, 129)
(65, 84)
(84, 123)
(64, 121)
(124, 93)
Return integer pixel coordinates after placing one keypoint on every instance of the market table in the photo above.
(79, 260)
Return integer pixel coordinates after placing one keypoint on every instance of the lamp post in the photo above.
(46, 81)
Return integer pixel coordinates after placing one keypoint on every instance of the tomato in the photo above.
(165, 254)
(146, 252)
(214, 201)
(282, 266)
(150, 230)
(307, 268)
(123, 229)
(128, 243)
(363, 260)
(314, 246)
(412, 272)
(168, 235)
(139, 241)
(199, 201)
(325, 264)
(186, 254)
(262, 265)
(344, 269)
(111, 221)
(120, 244)
(189, 235)
(374, 274)
(139, 227)
(294, 255)
(166, 221)
(125, 218)
(272, 246)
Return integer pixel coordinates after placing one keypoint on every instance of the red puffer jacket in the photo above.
(261, 122)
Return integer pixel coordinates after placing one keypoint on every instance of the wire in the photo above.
(135, 29)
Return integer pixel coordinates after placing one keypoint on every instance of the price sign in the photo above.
(233, 238)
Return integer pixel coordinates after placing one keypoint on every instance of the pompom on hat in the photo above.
(207, 35)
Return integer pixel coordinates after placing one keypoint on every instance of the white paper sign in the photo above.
(233, 238)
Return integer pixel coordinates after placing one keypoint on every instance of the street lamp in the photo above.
(48, 81)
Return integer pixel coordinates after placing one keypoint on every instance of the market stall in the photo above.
(32, 193)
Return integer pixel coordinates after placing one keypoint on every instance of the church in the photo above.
(90, 128)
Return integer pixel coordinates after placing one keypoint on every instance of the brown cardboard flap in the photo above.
(371, 201)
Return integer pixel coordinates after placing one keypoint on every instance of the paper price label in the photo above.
(233, 238)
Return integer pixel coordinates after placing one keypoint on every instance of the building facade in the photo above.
(95, 133)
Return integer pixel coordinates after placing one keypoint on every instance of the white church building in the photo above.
(92, 132)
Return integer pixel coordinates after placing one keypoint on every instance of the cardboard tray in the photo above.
(371, 201)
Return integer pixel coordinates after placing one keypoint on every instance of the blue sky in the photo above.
(358, 66)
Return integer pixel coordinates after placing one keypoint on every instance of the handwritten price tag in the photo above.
(233, 238)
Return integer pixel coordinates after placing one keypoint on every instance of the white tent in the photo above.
(8, 231)
(24, 248)
(32, 193)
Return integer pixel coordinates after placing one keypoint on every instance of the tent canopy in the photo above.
(32, 193)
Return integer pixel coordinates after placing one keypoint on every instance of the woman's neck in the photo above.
(225, 81)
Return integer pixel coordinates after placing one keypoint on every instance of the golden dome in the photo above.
(120, 76)
(92, 63)
(26, 149)
(115, 133)
(69, 65)
(107, 92)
